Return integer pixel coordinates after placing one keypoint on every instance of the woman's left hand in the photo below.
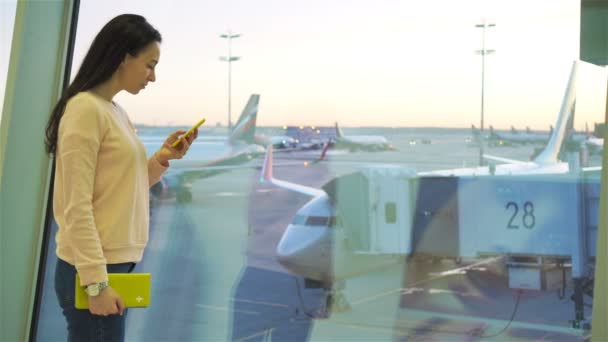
(167, 152)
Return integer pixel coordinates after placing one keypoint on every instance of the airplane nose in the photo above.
(306, 251)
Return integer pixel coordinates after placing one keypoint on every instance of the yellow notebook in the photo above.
(133, 288)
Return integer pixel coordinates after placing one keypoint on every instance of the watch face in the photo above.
(92, 290)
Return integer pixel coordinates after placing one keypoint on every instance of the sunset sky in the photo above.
(361, 63)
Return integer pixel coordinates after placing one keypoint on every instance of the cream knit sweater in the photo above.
(101, 195)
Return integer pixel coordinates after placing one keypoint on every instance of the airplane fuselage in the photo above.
(370, 143)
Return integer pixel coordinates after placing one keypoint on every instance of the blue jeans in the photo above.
(82, 324)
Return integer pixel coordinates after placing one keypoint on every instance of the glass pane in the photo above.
(7, 21)
(408, 121)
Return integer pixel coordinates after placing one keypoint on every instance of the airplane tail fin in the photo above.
(267, 177)
(474, 130)
(267, 166)
(324, 152)
(564, 120)
(339, 133)
(476, 133)
(244, 128)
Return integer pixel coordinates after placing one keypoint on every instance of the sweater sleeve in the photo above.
(79, 140)
(155, 170)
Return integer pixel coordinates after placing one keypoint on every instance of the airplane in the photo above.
(586, 140)
(515, 137)
(595, 145)
(297, 138)
(476, 137)
(282, 142)
(359, 221)
(546, 162)
(205, 159)
(592, 143)
(370, 143)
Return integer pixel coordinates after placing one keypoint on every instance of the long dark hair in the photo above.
(126, 33)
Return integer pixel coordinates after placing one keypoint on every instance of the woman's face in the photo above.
(136, 71)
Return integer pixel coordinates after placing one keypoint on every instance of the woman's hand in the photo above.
(108, 302)
(167, 152)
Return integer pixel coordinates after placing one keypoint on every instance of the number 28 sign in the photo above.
(518, 215)
(521, 218)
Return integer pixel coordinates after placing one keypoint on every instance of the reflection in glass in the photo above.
(381, 226)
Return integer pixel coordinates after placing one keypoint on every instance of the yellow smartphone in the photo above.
(192, 129)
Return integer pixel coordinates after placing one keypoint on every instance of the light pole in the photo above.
(483, 52)
(229, 59)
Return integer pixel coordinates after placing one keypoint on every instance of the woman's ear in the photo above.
(127, 58)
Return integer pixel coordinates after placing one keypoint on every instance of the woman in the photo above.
(103, 176)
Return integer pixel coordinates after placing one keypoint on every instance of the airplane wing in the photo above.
(194, 171)
(549, 154)
(206, 171)
(592, 169)
(189, 175)
(564, 117)
(267, 177)
(504, 160)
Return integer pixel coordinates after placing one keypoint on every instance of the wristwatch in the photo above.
(94, 289)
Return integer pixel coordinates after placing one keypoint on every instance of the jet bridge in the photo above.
(376, 205)
(390, 210)
(543, 225)
(523, 215)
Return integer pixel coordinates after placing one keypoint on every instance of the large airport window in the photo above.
(445, 113)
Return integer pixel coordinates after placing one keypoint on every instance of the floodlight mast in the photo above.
(483, 52)
(229, 36)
